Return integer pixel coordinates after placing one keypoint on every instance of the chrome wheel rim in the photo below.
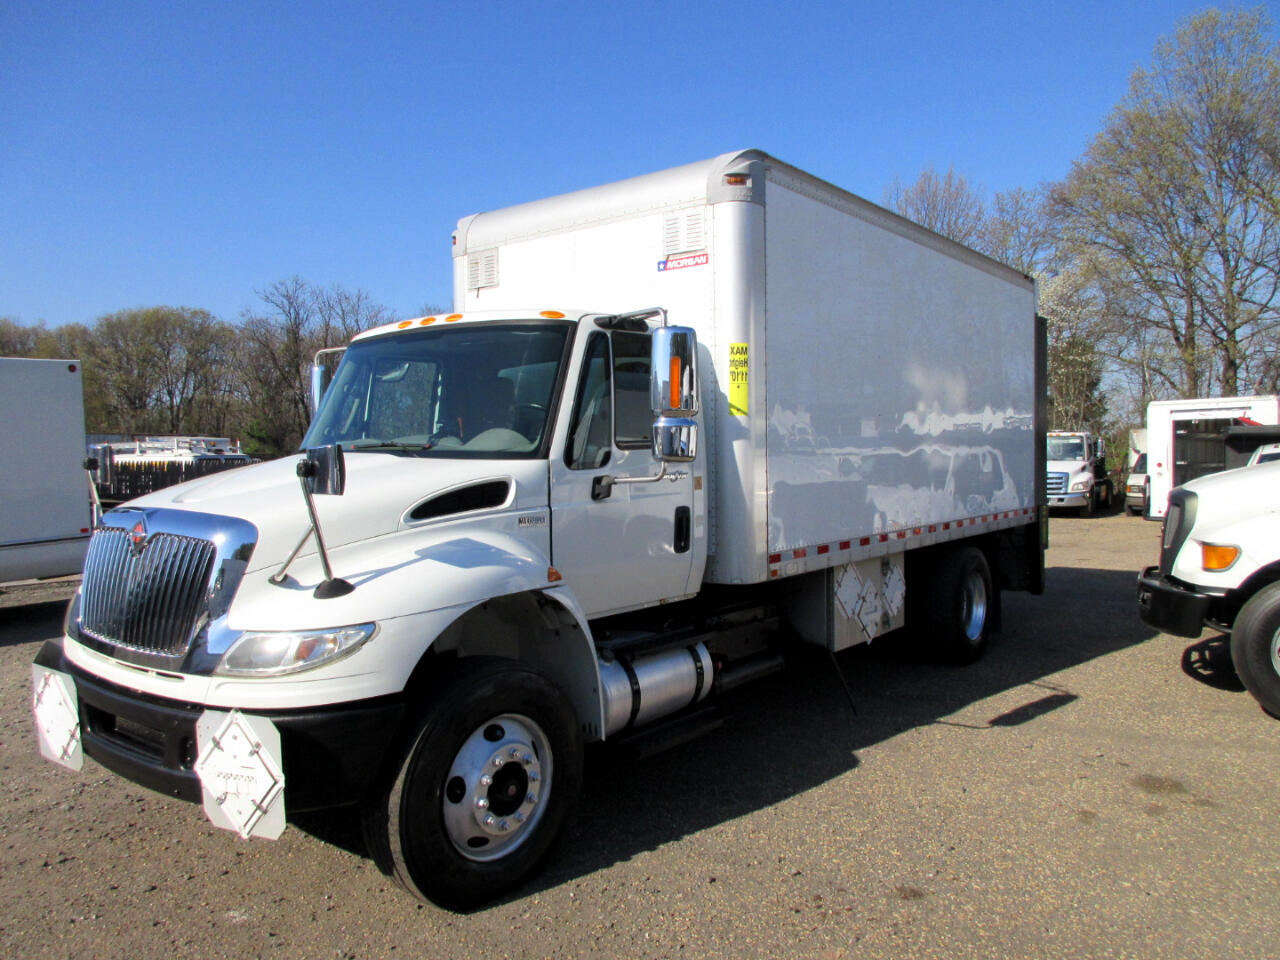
(497, 787)
(973, 613)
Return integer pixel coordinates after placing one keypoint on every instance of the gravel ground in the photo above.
(1090, 789)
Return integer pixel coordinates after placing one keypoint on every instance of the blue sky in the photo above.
(192, 154)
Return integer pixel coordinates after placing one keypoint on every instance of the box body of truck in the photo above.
(47, 517)
(871, 386)
(675, 423)
(1187, 439)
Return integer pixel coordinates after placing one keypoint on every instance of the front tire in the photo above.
(1255, 647)
(959, 608)
(483, 789)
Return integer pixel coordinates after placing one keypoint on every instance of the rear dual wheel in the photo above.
(959, 606)
(483, 789)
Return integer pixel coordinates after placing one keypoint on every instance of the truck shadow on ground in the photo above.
(1209, 661)
(796, 730)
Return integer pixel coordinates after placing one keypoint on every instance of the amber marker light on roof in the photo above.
(736, 179)
(453, 318)
(404, 323)
(426, 321)
(1218, 556)
(552, 314)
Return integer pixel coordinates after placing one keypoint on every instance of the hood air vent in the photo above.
(479, 496)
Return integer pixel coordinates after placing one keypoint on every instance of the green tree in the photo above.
(158, 370)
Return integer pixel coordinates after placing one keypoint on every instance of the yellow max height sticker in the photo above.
(738, 381)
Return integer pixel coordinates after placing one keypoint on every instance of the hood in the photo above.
(1241, 492)
(1066, 466)
(382, 489)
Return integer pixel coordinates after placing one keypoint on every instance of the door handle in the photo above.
(684, 527)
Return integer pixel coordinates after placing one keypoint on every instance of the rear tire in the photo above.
(483, 789)
(1255, 647)
(960, 605)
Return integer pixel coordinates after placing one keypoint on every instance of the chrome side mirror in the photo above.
(673, 394)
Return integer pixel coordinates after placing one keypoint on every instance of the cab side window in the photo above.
(589, 444)
(633, 421)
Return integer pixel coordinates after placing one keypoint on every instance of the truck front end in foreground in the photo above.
(1220, 566)
(375, 621)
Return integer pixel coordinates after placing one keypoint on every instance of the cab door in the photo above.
(622, 546)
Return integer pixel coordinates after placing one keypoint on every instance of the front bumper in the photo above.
(329, 755)
(1079, 499)
(1170, 607)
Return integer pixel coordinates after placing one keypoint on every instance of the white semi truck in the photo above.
(521, 527)
(48, 511)
(1076, 472)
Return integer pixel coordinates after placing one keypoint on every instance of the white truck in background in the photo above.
(1137, 490)
(522, 526)
(1076, 472)
(48, 513)
(1187, 439)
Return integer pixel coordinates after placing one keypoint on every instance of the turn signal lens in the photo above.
(1217, 556)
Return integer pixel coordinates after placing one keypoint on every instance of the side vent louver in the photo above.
(480, 496)
(683, 232)
(482, 269)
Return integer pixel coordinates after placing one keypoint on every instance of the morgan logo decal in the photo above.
(685, 260)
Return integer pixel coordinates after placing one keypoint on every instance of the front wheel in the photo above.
(483, 789)
(1255, 647)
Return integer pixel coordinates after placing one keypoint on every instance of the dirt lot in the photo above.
(1090, 789)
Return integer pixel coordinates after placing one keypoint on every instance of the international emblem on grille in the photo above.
(138, 538)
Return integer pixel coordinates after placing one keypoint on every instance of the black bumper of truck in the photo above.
(331, 754)
(1170, 607)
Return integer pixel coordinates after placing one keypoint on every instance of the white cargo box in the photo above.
(46, 521)
(869, 386)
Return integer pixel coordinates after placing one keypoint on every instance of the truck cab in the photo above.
(1076, 472)
(1220, 566)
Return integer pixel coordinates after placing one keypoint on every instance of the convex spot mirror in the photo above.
(324, 470)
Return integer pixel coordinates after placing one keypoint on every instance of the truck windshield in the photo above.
(1066, 448)
(472, 390)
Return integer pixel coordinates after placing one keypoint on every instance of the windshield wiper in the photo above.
(390, 445)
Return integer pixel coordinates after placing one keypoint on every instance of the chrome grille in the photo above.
(1056, 483)
(147, 600)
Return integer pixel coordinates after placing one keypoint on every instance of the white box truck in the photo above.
(522, 526)
(47, 516)
(1188, 439)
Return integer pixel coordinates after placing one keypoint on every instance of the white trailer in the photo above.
(524, 525)
(1187, 438)
(47, 516)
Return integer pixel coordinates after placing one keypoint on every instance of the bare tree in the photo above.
(947, 204)
(277, 348)
(1179, 198)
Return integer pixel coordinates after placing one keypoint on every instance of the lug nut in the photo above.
(483, 803)
(486, 781)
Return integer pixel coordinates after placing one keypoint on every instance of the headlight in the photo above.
(271, 654)
(1084, 484)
